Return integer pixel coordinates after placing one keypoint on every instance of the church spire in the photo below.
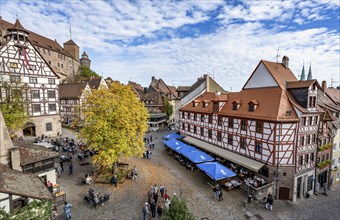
(303, 75)
(309, 77)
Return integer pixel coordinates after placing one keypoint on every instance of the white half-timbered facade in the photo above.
(271, 123)
(23, 70)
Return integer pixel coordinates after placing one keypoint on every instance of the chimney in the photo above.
(15, 159)
(285, 62)
(152, 78)
(324, 85)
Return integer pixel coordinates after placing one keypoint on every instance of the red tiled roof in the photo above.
(273, 104)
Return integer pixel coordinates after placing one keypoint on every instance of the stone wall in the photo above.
(5, 141)
(285, 179)
(40, 125)
(62, 65)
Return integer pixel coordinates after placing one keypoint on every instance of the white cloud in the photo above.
(107, 29)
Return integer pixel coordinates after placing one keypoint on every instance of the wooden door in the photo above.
(284, 193)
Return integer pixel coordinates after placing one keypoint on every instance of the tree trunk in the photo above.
(114, 167)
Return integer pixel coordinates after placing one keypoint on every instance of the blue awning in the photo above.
(184, 148)
(172, 144)
(216, 171)
(198, 156)
(172, 136)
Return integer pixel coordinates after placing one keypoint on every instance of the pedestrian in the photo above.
(161, 190)
(114, 180)
(220, 194)
(67, 210)
(215, 190)
(146, 211)
(150, 137)
(70, 168)
(153, 208)
(160, 210)
(61, 165)
(166, 196)
(269, 203)
(155, 197)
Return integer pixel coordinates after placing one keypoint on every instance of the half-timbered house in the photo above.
(23, 70)
(269, 127)
(72, 95)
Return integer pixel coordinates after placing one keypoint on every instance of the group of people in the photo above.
(94, 198)
(158, 200)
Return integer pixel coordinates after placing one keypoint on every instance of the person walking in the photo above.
(70, 168)
(146, 211)
(114, 180)
(160, 210)
(153, 208)
(220, 194)
(61, 165)
(161, 190)
(67, 210)
(267, 202)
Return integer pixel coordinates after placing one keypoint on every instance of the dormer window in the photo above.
(252, 105)
(236, 104)
(195, 103)
(205, 104)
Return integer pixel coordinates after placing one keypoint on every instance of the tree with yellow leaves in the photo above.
(114, 124)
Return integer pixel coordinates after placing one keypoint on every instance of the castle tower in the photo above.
(85, 61)
(72, 48)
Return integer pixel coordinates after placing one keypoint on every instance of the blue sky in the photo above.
(180, 41)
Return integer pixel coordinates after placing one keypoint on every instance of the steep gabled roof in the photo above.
(137, 87)
(71, 90)
(280, 73)
(27, 185)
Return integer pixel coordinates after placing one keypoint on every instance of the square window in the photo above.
(251, 107)
(51, 81)
(35, 94)
(33, 80)
(52, 107)
(50, 94)
(36, 107)
(15, 79)
(235, 106)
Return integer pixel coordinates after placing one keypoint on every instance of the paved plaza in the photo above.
(126, 201)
